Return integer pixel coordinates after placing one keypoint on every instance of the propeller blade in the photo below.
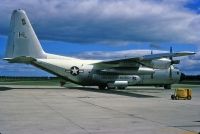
(151, 52)
(171, 51)
(170, 72)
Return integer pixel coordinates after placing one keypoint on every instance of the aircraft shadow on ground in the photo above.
(11, 88)
(113, 91)
(148, 91)
(5, 88)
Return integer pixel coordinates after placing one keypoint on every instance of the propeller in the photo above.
(172, 62)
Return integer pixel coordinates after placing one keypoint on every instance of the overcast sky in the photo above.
(107, 28)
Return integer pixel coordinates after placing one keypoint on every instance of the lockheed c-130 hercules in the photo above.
(23, 46)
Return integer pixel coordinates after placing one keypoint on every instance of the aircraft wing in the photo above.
(137, 61)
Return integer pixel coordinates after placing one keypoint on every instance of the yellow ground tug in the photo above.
(182, 93)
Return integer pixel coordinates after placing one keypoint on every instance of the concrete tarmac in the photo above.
(84, 110)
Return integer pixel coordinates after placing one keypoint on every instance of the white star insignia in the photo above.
(74, 70)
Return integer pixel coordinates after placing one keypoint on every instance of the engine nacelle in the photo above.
(145, 70)
(161, 63)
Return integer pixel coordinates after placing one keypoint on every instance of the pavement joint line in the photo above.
(93, 102)
(60, 114)
(132, 115)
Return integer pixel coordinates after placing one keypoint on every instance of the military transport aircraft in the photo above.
(23, 46)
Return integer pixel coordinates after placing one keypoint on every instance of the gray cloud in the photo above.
(109, 21)
(102, 21)
(7, 69)
(116, 54)
(188, 64)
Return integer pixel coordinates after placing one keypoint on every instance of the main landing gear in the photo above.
(103, 87)
(62, 83)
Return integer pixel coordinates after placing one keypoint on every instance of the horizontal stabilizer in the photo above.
(21, 59)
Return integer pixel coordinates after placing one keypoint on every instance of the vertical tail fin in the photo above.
(22, 40)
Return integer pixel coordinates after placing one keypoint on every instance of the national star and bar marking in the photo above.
(74, 70)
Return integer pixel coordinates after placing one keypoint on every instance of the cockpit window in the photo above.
(23, 21)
